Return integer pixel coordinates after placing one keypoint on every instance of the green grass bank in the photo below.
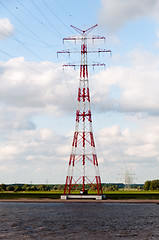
(56, 195)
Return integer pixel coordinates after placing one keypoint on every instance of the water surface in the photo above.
(49, 221)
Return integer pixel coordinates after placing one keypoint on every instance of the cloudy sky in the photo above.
(38, 97)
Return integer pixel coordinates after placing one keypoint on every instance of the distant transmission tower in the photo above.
(83, 164)
(128, 178)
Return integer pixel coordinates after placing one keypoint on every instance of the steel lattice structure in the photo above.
(83, 164)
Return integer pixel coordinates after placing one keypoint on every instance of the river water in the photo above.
(49, 221)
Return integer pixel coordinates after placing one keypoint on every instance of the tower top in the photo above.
(84, 50)
(84, 32)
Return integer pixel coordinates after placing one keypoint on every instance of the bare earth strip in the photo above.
(47, 200)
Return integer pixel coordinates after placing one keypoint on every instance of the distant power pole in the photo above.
(83, 164)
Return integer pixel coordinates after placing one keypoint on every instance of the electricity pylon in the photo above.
(83, 164)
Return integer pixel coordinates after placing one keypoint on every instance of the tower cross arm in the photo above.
(81, 65)
(100, 50)
(71, 38)
(74, 38)
(64, 51)
(97, 37)
(95, 51)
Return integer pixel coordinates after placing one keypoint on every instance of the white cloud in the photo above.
(6, 28)
(131, 89)
(29, 88)
(31, 151)
(130, 149)
(44, 153)
(114, 13)
(143, 151)
(9, 151)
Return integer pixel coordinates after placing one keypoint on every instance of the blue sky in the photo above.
(38, 98)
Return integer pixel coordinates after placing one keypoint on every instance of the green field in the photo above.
(118, 195)
(30, 195)
(132, 195)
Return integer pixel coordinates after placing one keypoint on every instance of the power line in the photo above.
(25, 26)
(24, 45)
(69, 14)
(29, 67)
(56, 16)
(47, 20)
(4, 52)
(28, 29)
(34, 16)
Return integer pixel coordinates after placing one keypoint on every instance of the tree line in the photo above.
(151, 185)
(48, 187)
(60, 187)
(28, 187)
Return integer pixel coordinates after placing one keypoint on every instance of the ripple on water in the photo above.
(49, 221)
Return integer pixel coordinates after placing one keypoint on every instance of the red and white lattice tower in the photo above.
(83, 164)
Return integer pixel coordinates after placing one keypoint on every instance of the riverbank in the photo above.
(54, 197)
